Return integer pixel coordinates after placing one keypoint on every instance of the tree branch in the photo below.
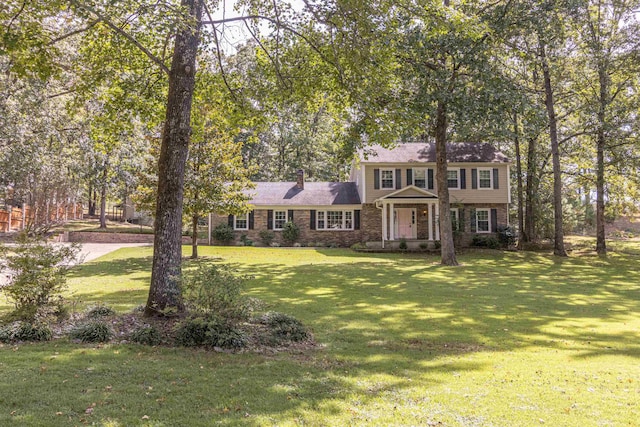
(73, 33)
(124, 34)
(219, 56)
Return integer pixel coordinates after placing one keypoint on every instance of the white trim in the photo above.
(488, 211)
(491, 183)
(393, 179)
(273, 224)
(457, 170)
(404, 190)
(457, 212)
(344, 219)
(430, 220)
(508, 190)
(426, 177)
(364, 184)
(437, 219)
(235, 222)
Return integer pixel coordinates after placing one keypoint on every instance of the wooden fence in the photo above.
(20, 217)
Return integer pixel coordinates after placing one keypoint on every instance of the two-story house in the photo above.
(391, 195)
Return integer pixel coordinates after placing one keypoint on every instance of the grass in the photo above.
(505, 339)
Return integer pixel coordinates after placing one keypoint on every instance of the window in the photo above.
(334, 220)
(420, 178)
(279, 219)
(387, 179)
(455, 219)
(453, 180)
(241, 222)
(485, 179)
(482, 221)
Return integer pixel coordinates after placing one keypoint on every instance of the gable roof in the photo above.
(313, 194)
(459, 152)
(410, 192)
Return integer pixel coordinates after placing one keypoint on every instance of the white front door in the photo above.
(405, 223)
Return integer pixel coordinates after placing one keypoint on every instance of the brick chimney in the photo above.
(300, 180)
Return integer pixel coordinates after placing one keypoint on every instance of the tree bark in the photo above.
(194, 237)
(447, 249)
(530, 221)
(558, 245)
(165, 294)
(519, 183)
(601, 245)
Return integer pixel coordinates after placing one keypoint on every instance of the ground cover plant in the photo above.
(507, 338)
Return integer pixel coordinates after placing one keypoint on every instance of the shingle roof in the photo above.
(314, 194)
(460, 152)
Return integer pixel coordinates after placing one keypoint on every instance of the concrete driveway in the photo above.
(91, 251)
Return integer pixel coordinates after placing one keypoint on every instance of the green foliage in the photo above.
(507, 236)
(489, 242)
(290, 232)
(38, 276)
(403, 244)
(214, 291)
(25, 331)
(284, 327)
(146, 335)
(93, 331)
(223, 233)
(267, 236)
(246, 241)
(200, 331)
(99, 311)
(424, 246)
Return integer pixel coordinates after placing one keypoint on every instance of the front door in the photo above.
(405, 223)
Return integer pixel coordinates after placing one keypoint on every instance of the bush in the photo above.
(25, 331)
(214, 291)
(95, 331)
(200, 331)
(290, 232)
(284, 327)
(38, 276)
(424, 246)
(489, 242)
(223, 233)
(246, 241)
(267, 236)
(507, 236)
(146, 335)
(403, 244)
(100, 311)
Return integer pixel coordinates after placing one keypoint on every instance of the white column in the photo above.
(392, 232)
(384, 222)
(430, 221)
(437, 205)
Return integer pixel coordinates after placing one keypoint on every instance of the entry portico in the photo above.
(402, 211)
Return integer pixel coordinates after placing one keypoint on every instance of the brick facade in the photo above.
(370, 226)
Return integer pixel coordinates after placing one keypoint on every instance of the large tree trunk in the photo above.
(194, 237)
(165, 291)
(103, 200)
(558, 245)
(447, 249)
(521, 232)
(601, 246)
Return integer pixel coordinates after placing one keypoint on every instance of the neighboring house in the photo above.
(391, 195)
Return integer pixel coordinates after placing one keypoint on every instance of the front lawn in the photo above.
(506, 339)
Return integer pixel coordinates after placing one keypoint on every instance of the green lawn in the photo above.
(507, 339)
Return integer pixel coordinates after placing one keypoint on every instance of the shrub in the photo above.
(214, 291)
(246, 241)
(358, 246)
(94, 331)
(284, 327)
(437, 244)
(223, 233)
(489, 242)
(38, 276)
(507, 236)
(266, 237)
(290, 232)
(424, 246)
(100, 311)
(403, 244)
(146, 335)
(25, 331)
(200, 331)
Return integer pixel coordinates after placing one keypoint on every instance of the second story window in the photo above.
(386, 179)
(485, 178)
(420, 178)
(453, 179)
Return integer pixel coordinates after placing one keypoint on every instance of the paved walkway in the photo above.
(91, 251)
